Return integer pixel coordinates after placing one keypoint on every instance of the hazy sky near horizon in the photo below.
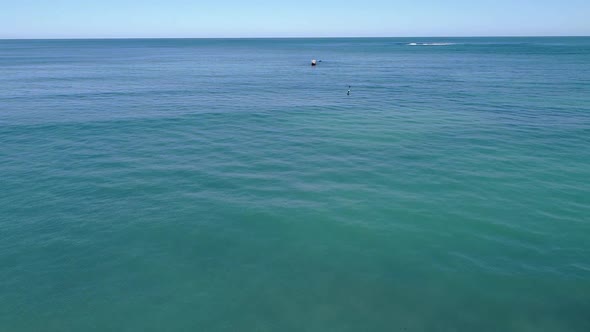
(301, 18)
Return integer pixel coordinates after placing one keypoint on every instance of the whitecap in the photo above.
(431, 44)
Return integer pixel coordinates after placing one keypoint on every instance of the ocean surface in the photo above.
(227, 185)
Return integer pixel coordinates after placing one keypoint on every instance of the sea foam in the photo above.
(431, 44)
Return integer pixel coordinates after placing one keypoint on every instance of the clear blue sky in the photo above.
(289, 18)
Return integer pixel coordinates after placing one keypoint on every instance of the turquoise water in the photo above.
(226, 185)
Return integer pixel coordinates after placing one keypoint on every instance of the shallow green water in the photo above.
(225, 185)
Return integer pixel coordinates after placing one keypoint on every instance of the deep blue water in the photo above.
(226, 185)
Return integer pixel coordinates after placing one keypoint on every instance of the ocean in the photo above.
(227, 185)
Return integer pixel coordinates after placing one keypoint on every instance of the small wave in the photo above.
(431, 44)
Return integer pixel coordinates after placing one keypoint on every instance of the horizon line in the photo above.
(297, 37)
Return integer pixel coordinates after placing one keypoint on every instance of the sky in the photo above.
(291, 18)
